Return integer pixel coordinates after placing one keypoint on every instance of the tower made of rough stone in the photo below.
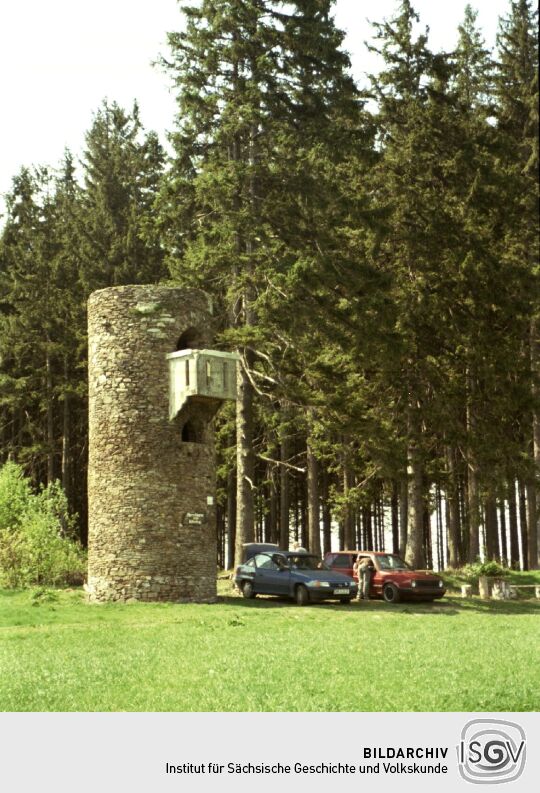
(151, 478)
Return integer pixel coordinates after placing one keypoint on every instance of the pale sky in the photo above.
(60, 58)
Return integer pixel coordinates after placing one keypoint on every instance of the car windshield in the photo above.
(390, 562)
(306, 562)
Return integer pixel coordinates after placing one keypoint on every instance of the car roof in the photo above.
(280, 552)
(375, 553)
(251, 549)
(264, 546)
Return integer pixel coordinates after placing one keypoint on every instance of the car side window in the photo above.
(341, 561)
(265, 562)
(259, 558)
(269, 564)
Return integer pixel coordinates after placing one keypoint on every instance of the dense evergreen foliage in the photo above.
(61, 241)
(372, 254)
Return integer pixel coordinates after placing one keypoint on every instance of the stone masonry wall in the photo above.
(142, 478)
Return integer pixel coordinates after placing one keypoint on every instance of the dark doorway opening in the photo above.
(191, 339)
(193, 432)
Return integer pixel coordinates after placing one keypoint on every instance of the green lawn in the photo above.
(61, 654)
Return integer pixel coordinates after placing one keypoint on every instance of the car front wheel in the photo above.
(301, 596)
(247, 590)
(391, 594)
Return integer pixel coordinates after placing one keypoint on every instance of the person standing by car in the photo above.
(365, 570)
(297, 548)
(357, 574)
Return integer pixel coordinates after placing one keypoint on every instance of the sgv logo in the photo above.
(491, 751)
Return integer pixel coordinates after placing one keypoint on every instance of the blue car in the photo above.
(300, 576)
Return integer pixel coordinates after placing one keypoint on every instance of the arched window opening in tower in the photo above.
(192, 432)
(191, 339)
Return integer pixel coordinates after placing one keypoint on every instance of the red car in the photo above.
(393, 579)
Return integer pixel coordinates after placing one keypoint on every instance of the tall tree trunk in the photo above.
(523, 524)
(326, 514)
(231, 516)
(314, 525)
(259, 510)
(375, 524)
(341, 535)
(532, 529)
(492, 529)
(273, 528)
(284, 492)
(270, 505)
(441, 561)
(473, 506)
(473, 511)
(415, 552)
(513, 524)
(245, 457)
(304, 533)
(403, 516)
(66, 437)
(463, 496)
(348, 522)
(452, 501)
(427, 535)
(394, 504)
(359, 528)
(369, 543)
(502, 523)
(220, 534)
(50, 417)
(245, 460)
(534, 519)
(379, 511)
(297, 519)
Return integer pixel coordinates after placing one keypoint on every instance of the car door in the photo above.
(377, 579)
(270, 577)
(343, 563)
(247, 572)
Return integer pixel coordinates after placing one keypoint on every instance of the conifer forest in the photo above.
(371, 251)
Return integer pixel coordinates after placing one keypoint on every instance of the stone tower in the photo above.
(151, 475)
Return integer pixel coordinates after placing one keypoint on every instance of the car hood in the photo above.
(322, 575)
(412, 574)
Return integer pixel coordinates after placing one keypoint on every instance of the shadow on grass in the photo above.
(369, 607)
(448, 607)
(501, 606)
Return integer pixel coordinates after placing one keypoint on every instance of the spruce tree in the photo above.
(261, 89)
(408, 183)
(27, 337)
(121, 166)
(517, 125)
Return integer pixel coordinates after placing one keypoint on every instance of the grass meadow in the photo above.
(57, 653)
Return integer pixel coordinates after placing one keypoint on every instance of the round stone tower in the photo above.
(151, 475)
